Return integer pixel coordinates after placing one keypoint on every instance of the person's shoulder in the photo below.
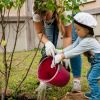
(36, 18)
(89, 39)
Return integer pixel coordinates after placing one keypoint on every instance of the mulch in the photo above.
(74, 96)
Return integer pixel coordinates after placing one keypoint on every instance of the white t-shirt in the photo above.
(82, 45)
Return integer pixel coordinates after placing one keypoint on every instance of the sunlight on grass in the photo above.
(20, 66)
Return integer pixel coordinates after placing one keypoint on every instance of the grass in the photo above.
(20, 66)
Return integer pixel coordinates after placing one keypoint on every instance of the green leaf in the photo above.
(3, 43)
(68, 5)
(1, 5)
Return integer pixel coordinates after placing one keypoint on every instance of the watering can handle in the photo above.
(59, 66)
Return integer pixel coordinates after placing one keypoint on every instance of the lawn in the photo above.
(20, 65)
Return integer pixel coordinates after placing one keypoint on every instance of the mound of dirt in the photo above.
(74, 96)
(8, 92)
(24, 96)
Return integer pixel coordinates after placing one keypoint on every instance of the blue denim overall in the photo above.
(76, 62)
(51, 31)
(94, 76)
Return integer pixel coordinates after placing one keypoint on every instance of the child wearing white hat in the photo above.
(84, 24)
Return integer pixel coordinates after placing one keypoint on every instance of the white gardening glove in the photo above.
(49, 48)
(56, 59)
(66, 63)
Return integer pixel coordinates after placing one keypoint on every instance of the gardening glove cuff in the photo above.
(57, 51)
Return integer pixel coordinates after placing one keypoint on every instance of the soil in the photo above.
(67, 96)
(74, 96)
(8, 93)
(25, 96)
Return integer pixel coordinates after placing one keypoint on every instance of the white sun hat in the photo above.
(85, 19)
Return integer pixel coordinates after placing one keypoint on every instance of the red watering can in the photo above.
(54, 76)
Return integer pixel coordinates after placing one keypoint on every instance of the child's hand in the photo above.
(57, 59)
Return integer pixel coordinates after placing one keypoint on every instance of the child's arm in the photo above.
(83, 46)
(70, 47)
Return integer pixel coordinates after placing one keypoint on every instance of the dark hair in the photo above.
(91, 31)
